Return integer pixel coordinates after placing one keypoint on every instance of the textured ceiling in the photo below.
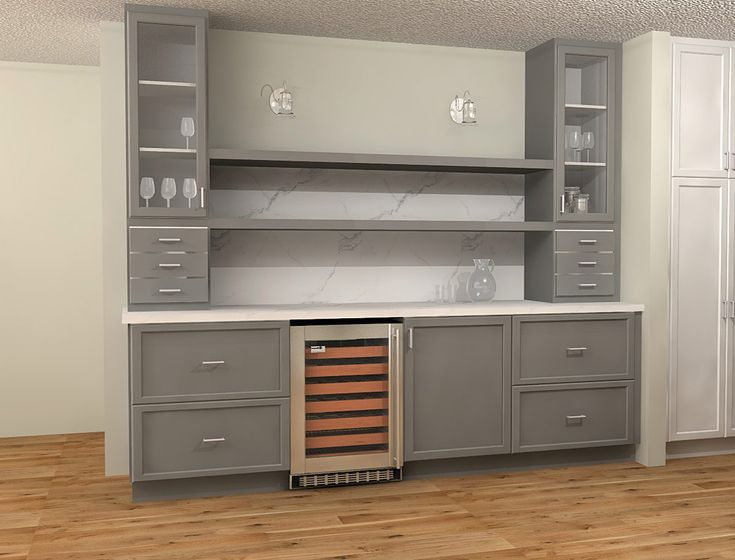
(67, 31)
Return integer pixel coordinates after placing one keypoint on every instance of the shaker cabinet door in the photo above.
(701, 120)
(699, 290)
(457, 388)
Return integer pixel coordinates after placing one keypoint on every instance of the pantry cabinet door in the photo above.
(699, 292)
(700, 146)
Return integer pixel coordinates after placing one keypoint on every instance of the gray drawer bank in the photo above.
(208, 400)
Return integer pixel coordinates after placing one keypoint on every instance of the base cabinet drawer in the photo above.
(573, 348)
(204, 439)
(585, 240)
(205, 362)
(547, 417)
(168, 265)
(164, 239)
(169, 290)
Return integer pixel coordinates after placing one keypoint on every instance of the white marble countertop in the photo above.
(368, 311)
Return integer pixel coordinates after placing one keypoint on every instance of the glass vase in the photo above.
(481, 283)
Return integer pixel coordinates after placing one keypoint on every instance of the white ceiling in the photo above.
(67, 31)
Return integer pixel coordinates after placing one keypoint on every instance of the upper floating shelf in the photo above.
(331, 160)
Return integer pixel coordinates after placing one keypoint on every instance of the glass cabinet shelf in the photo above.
(145, 151)
(585, 163)
(162, 83)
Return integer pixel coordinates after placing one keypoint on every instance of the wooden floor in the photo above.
(55, 503)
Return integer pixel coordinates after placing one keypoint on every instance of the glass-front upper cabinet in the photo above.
(585, 135)
(168, 166)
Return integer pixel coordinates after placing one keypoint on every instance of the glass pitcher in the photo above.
(481, 283)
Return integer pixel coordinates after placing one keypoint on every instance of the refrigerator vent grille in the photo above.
(343, 478)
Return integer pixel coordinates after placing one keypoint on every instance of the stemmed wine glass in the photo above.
(574, 141)
(189, 189)
(588, 142)
(168, 190)
(147, 189)
(187, 129)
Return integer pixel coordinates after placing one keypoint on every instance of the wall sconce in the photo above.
(462, 109)
(280, 100)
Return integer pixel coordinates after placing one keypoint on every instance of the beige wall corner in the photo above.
(645, 183)
(112, 75)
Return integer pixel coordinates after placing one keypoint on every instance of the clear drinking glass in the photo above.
(187, 129)
(168, 190)
(147, 189)
(189, 189)
(574, 142)
(588, 142)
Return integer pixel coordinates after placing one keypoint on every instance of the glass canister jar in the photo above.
(481, 283)
(570, 199)
(583, 203)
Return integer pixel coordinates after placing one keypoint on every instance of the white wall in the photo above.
(645, 222)
(51, 283)
(363, 96)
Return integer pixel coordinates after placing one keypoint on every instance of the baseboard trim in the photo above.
(700, 448)
(208, 486)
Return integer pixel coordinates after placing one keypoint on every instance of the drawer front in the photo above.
(571, 349)
(168, 265)
(169, 290)
(585, 285)
(162, 239)
(585, 263)
(588, 240)
(213, 362)
(203, 439)
(567, 416)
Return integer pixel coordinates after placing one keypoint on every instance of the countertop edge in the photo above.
(368, 311)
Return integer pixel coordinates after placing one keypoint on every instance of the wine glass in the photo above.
(147, 189)
(168, 190)
(189, 189)
(574, 141)
(588, 142)
(187, 129)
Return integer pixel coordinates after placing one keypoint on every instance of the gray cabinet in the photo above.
(203, 399)
(166, 82)
(457, 387)
(203, 439)
(179, 363)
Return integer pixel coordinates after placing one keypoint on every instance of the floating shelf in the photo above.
(163, 152)
(376, 225)
(585, 163)
(331, 160)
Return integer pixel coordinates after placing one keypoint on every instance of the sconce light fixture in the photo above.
(462, 109)
(280, 100)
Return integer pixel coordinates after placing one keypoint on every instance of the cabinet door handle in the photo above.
(561, 204)
(169, 240)
(213, 363)
(169, 290)
(201, 196)
(587, 263)
(726, 160)
(732, 160)
(590, 285)
(576, 350)
(213, 439)
(169, 265)
(588, 241)
(410, 338)
(731, 309)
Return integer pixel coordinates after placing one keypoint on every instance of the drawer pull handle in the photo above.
(213, 363)
(576, 419)
(591, 285)
(169, 240)
(169, 290)
(214, 440)
(169, 265)
(588, 241)
(576, 350)
(587, 263)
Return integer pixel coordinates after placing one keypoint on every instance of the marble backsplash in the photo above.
(287, 267)
(346, 194)
(251, 267)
